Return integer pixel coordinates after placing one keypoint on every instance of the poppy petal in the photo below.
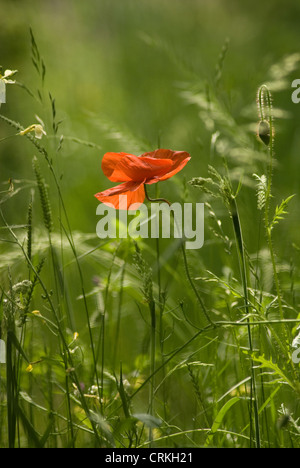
(134, 192)
(178, 165)
(166, 154)
(123, 167)
(109, 166)
(179, 160)
(137, 168)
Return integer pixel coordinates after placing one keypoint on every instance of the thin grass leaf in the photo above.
(11, 392)
(219, 419)
(33, 436)
(123, 395)
(14, 340)
(29, 231)
(239, 384)
(46, 435)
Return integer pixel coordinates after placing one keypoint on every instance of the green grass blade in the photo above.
(219, 419)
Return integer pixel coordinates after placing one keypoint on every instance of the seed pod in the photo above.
(264, 132)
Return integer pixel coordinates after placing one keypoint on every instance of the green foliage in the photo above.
(145, 274)
(203, 339)
(280, 211)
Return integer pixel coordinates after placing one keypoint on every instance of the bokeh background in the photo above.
(132, 75)
(116, 70)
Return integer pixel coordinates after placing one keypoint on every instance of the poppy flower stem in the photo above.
(154, 200)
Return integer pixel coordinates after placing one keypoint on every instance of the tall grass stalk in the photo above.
(118, 324)
(264, 100)
(242, 262)
(152, 310)
(67, 356)
(101, 343)
(67, 231)
(185, 261)
(147, 289)
(264, 96)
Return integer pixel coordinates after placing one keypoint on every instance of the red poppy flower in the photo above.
(135, 171)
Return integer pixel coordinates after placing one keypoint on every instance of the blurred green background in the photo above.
(116, 69)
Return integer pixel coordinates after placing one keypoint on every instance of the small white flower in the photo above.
(37, 129)
(93, 390)
(8, 74)
(4, 80)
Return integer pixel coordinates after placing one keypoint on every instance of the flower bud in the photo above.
(264, 132)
